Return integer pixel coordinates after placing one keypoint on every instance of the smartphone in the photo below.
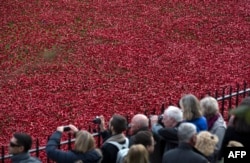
(66, 128)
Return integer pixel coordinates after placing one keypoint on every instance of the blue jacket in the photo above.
(200, 123)
(69, 156)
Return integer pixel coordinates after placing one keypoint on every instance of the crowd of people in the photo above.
(195, 132)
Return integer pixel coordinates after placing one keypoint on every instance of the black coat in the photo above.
(109, 152)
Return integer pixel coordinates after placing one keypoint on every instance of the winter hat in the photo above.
(206, 142)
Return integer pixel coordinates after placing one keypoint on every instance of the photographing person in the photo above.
(84, 148)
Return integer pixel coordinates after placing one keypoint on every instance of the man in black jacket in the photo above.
(172, 118)
(113, 137)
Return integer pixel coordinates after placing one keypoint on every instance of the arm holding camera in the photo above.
(54, 141)
(102, 124)
(155, 125)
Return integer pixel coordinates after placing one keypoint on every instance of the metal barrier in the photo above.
(232, 98)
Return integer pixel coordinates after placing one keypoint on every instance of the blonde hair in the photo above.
(191, 107)
(84, 141)
(206, 142)
(137, 154)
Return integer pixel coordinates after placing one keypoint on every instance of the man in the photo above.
(139, 122)
(114, 137)
(172, 117)
(19, 147)
(185, 151)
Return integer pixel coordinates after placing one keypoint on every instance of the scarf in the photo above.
(211, 121)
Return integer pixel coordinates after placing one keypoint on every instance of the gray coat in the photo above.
(24, 158)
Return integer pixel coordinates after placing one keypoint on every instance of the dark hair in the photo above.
(119, 123)
(24, 140)
(240, 123)
(144, 138)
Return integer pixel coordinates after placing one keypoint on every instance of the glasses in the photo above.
(14, 145)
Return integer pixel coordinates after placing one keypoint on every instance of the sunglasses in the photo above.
(14, 145)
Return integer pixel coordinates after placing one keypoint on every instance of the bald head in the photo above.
(138, 122)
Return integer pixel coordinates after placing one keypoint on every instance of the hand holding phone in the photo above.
(66, 128)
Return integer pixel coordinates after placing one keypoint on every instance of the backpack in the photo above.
(122, 150)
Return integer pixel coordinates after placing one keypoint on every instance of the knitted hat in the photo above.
(206, 142)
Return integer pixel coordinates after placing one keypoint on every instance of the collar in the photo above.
(19, 157)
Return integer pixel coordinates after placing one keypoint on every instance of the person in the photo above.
(137, 154)
(142, 137)
(192, 111)
(19, 147)
(113, 137)
(206, 143)
(84, 147)
(172, 118)
(139, 122)
(184, 152)
(215, 121)
(239, 130)
(244, 102)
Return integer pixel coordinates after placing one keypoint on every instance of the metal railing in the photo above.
(230, 98)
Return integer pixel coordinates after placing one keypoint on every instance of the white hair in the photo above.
(209, 106)
(175, 113)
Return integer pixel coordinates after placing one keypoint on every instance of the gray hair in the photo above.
(209, 106)
(175, 113)
(186, 131)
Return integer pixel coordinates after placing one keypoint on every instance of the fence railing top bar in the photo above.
(233, 94)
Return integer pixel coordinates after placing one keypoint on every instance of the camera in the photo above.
(66, 128)
(160, 118)
(97, 120)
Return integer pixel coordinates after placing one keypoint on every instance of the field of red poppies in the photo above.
(66, 61)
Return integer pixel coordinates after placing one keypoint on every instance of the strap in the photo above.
(120, 146)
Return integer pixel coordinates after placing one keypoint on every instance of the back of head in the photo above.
(209, 106)
(191, 107)
(241, 114)
(175, 113)
(206, 142)
(24, 140)
(84, 141)
(119, 123)
(186, 131)
(144, 138)
(137, 154)
(138, 122)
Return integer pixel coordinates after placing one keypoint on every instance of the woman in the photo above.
(192, 112)
(84, 148)
(137, 154)
(215, 121)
